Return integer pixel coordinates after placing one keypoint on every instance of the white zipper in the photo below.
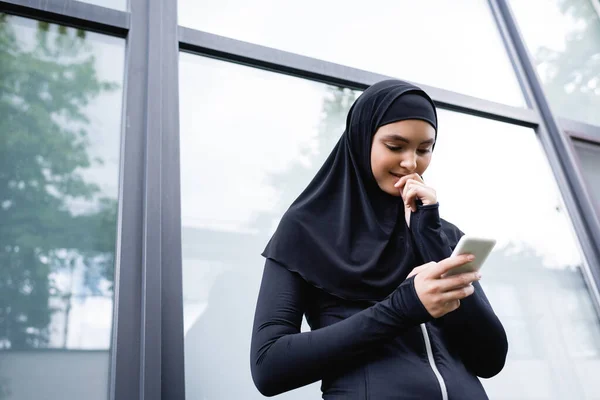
(432, 363)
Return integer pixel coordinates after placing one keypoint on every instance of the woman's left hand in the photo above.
(412, 187)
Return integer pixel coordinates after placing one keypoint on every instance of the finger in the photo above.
(402, 181)
(412, 183)
(448, 263)
(410, 199)
(453, 306)
(419, 269)
(415, 191)
(445, 307)
(416, 180)
(422, 191)
(405, 192)
(457, 294)
(414, 176)
(407, 187)
(458, 281)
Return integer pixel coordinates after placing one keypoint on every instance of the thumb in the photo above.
(420, 269)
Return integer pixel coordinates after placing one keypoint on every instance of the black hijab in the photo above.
(344, 234)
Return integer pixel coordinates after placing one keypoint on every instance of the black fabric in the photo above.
(375, 350)
(410, 106)
(343, 234)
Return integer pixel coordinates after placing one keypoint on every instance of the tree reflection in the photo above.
(572, 76)
(45, 232)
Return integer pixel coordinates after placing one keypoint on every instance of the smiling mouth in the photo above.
(396, 175)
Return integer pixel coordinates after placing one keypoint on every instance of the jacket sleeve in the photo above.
(282, 358)
(474, 329)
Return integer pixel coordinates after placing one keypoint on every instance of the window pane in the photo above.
(589, 157)
(451, 45)
(563, 37)
(116, 4)
(60, 118)
(533, 278)
(226, 227)
(279, 152)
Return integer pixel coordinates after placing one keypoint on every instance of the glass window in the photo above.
(534, 276)
(278, 142)
(589, 157)
(60, 119)
(563, 37)
(116, 4)
(451, 45)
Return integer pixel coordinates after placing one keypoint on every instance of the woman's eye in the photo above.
(393, 148)
(424, 151)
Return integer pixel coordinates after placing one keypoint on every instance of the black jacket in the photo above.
(392, 349)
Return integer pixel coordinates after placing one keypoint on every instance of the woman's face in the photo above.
(398, 149)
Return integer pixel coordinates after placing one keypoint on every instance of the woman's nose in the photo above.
(409, 161)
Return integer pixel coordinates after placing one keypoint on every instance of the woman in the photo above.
(362, 252)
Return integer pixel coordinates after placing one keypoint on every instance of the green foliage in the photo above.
(44, 89)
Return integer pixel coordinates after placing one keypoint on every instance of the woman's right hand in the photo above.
(441, 295)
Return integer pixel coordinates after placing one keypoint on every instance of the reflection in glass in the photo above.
(566, 51)
(589, 158)
(60, 110)
(451, 45)
(242, 169)
(533, 278)
(239, 172)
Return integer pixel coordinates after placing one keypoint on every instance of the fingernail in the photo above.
(478, 275)
(471, 257)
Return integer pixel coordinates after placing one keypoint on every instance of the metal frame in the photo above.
(280, 61)
(153, 120)
(172, 344)
(558, 150)
(147, 360)
(72, 13)
(580, 130)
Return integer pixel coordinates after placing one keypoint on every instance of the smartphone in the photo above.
(478, 246)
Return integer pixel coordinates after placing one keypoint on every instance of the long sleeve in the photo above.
(282, 358)
(474, 329)
(478, 334)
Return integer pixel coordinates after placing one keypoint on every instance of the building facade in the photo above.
(148, 149)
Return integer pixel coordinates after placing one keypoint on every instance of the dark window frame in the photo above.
(147, 359)
(580, 139)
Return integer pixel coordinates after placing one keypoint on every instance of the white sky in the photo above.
(449, 44)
